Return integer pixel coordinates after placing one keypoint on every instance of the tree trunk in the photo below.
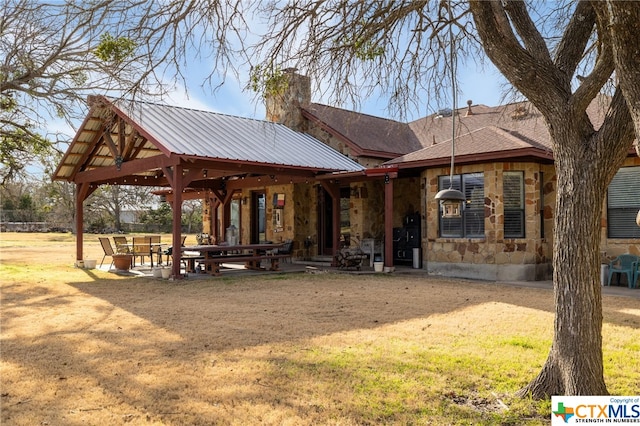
(574, 365)
(586, 160)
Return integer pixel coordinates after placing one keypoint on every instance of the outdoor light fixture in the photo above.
(451, 199)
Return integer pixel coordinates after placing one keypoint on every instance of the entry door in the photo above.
(325, 223)
(325, 220)
(258, 217)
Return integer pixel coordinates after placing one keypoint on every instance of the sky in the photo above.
(481, 85)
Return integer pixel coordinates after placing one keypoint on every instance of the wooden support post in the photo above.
(177, 186)
(388, 221)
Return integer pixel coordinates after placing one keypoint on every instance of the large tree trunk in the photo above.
(574, 365)
(586, 160)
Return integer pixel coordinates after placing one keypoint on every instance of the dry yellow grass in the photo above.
(91, 347)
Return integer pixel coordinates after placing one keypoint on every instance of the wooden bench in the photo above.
(212, 264)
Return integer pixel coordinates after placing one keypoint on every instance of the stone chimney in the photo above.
(285, 107)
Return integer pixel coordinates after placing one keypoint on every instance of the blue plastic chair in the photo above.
(624, 264)
(636, 270)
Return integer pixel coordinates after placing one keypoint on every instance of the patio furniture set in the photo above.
(206, 258)
(628, 265)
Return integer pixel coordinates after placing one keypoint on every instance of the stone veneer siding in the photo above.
(494, 257)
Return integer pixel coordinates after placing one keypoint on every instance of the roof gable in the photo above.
(128, 131)
(365, 134)
(487, 142)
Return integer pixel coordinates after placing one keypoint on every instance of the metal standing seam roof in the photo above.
(206, 134)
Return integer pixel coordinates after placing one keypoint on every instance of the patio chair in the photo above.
(624, 264)
(169, 251)
(287, 248)
(141, 249)
(122, 245)
(636, 276)
(107, 248)
(155, 241)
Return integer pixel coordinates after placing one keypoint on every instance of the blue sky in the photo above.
(481, 85)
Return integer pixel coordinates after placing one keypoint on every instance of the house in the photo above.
(326, 177)
(503, 164)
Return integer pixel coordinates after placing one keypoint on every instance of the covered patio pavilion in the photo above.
(193, 153)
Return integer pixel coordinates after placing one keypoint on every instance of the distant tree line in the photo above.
(53, 203)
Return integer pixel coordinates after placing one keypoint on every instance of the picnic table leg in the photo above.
(275, 264)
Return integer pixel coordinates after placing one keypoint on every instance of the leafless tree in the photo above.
(54, 54)
(111, 200)
(401, 47)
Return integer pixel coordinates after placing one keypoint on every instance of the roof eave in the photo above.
(485, 157)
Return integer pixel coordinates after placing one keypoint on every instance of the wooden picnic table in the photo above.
(213, 255)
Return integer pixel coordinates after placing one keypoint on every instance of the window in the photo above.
(471, 223)
(623, 203)
(513, 193)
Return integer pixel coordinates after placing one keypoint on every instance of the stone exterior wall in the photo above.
(406, 199)
(288, 214)
(366, 212)
(299, 215)
(494, 257)
(305, 220)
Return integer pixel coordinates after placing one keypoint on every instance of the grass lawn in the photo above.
(85, 347)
